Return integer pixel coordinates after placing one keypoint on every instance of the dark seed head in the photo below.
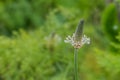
(79, 31)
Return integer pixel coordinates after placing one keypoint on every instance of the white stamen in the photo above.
(77, 44)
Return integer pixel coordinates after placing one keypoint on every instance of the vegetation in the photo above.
(32, 34)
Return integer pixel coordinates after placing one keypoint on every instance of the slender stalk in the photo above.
(76, 63)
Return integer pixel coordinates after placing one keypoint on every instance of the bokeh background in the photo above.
(32, 34)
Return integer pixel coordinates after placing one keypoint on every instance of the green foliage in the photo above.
(23, 13)
(35, 56)
(109, 64)
(29, 14)
(117, 45)
(109, 20)
(109, 61)
(41, 54)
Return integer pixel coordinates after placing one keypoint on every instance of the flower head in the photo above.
(78, 39)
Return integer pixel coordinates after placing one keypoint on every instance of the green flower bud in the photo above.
(79, 31)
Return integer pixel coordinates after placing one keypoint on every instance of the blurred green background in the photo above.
(32, 34)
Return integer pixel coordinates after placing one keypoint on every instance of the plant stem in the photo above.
(76, 63)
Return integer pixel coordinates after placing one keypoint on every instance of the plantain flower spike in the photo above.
(78, 39)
